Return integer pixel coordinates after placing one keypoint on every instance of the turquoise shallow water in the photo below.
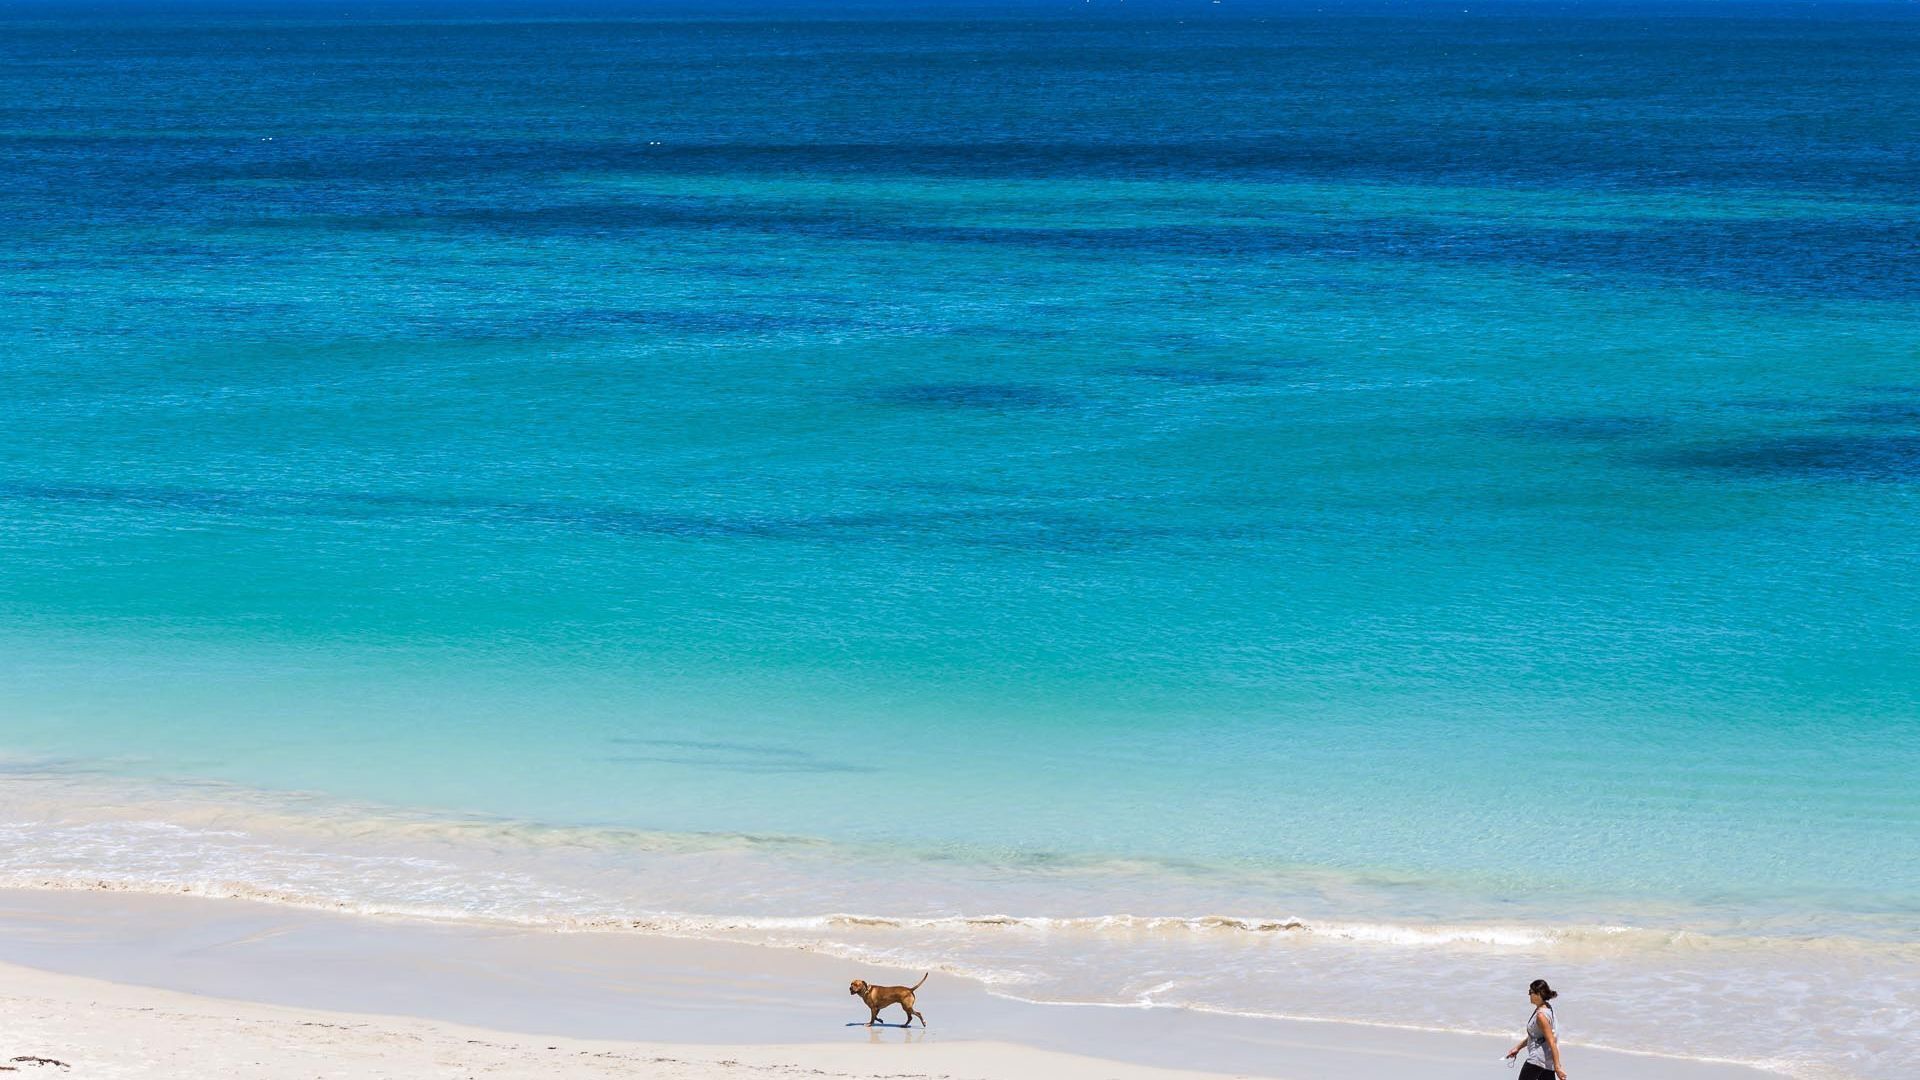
(1445, 481)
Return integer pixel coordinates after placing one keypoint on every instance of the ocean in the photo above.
(1312, 511)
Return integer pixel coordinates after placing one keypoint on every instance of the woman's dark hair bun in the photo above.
(1539, 986)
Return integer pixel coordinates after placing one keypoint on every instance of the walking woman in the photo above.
(1542, 1044)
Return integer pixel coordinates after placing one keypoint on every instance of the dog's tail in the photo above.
(922, 982)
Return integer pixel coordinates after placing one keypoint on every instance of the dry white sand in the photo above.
(140, 986)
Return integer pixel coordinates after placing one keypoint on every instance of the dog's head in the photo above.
(857, 987)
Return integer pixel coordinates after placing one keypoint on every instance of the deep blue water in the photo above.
(1402, 466)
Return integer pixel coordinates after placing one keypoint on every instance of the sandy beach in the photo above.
(1233, 537)
(107, 1029)
(118, 985)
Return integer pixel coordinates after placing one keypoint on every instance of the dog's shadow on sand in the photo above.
(909, 1037)
(881, 1024)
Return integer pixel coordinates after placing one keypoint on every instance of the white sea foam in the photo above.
(1024, 930)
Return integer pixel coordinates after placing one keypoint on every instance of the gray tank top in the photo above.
(1537, 1052)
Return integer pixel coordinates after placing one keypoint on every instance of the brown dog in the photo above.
(879, 997)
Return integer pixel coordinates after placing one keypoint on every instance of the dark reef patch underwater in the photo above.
(1349, 467)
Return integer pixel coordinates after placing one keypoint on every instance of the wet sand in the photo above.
(136, 985)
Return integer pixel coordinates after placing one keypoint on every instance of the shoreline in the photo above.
(1314, 946)
(626, 1002)
(89, 1027)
